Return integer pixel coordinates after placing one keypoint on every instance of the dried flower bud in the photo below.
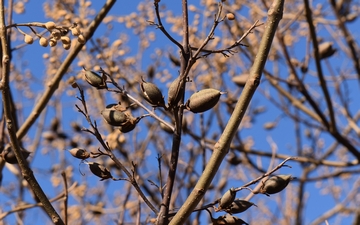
(114, 117)
(95, 79)
(65, 40)
(56, 34)
(28, 39)
(52, 42)
(227, 199)
(81, 39)
(239, 206)
(43, 42)
(230, 16)
(50, 25)
(152, 94)
(326, 50)
(275, 184)
(100, 171)
(129, 125)
(9, 156)
(75, 31)
(79, 153)
(203, 100)
(66, 46)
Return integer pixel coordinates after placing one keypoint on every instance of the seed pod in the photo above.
(275, 184)
(43, 42)
(239, 206)
(227, 199)
(173, 94)
(240, 80)
(203, 100)
(152, 94)
(79, 153)
(50, 25)
(9, 156)
(228, 219)
(326, 50)
(174, 60)
(28, 39)
(95, 79)
(129, 125)
(114, 117)
(99, 170)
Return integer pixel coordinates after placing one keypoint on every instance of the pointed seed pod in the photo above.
(275, 184)
(203, 100)
(229, 219)
(152, 94)
(99, 170)
(129, 125)
(9, 156)
(239, 206)
(28, 39)
(95, 79)
(79, 153)
(114, 117)
(227, 199)
(173, 91)
(50, 25)
(326, 49)
(43, 42)
(240, 80)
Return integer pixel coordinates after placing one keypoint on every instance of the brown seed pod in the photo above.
(228, 219)
(239, 206)
(173, 92)
(129, 125)
(227, 199)
(174, 60)
(100, 171)
(28, 39)
(275, 184)
(114, 117)
(326, 49)
(95, 79)
(152, 94)
(240, 80)
(79, 153)
(203, 100)
(9, 156)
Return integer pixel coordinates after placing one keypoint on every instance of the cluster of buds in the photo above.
(57, 34)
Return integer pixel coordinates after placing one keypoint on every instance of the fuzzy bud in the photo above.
(43, 42)
(50, 25)
(28, 39)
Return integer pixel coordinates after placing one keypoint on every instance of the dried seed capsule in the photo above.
(152, 94)
(95, 79)
(28, 39)
(229, 219)
(227, 199)
(50, 25)
(100, 171)
(43, 42)
(9, 156)
(129, 125)
(114, 117)
(173, 91)
(203, 100)
(326, 50)
(239, 206)
(275, 184)
(241, 79)
(174, 60)
(79, 153)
